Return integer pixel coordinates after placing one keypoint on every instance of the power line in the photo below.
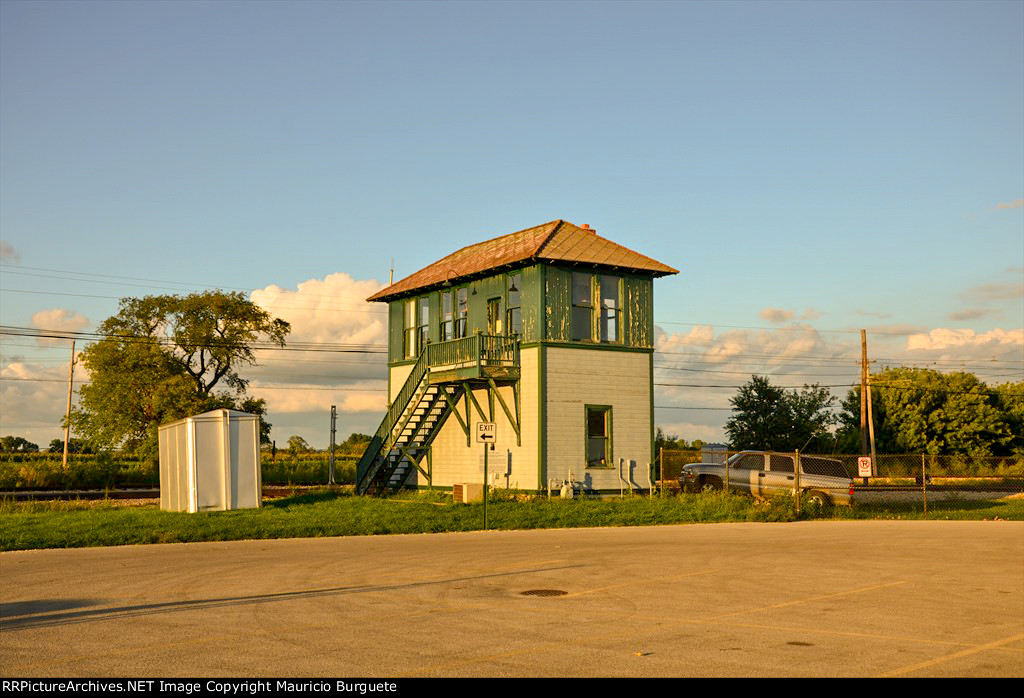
(249, 387)
(10, 267)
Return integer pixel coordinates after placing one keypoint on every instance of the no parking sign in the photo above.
(864, 466)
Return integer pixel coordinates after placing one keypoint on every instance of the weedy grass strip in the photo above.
(33, 525)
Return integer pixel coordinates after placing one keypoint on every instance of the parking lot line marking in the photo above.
(797, 602)
(950, 657)
(635, 582)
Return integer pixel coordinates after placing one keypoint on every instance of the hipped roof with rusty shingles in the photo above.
(557, 241)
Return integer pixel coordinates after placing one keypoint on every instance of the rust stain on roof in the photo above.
(556, 241)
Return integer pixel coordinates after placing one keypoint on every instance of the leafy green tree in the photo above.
(297, 445)
(918, 410)
(10, 444)
(1009, 399)
(770, 418)
(161, 359)
(355, 443)
(74, 446)
(663, 440)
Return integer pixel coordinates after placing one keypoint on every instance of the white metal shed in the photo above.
(211, 462)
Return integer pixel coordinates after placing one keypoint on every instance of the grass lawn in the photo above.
(35, 525)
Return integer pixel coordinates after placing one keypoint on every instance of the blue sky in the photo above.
(812, 168)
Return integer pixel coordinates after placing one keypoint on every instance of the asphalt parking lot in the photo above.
(830, 598)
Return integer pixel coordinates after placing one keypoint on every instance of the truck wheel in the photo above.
(710, 484)
(819, 500)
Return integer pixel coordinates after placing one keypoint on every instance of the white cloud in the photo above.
(33, 400)
(8, 253)
(1017, 203)
(996, 291)
(691, 431)
(969, 314)
(329, 311)
(700, 371)
(944, 338)
(333, 309)
(776, 315)
(61, 320)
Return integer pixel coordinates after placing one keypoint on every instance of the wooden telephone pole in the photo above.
(863, 392)
(867, 421)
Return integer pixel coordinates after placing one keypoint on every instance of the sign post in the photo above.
(864, 468)
(485, 434)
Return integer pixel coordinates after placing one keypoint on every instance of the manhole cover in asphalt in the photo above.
(544, 592)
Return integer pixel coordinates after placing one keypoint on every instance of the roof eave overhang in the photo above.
(383, 296)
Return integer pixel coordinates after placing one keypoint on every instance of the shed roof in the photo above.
(556, 241)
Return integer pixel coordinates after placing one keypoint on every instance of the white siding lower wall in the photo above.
(580, 377)
(509, 465)
(398, 376)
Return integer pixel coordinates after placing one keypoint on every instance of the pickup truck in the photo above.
(824, 480)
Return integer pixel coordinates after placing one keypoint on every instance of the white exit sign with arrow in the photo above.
(486, 432)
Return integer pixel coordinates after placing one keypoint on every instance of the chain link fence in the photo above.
(918, 484)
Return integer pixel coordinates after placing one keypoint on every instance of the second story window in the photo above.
(609, 308)
(581, 323)
(461, 312)
(447, 317)
(423, 329)
(409, 335)
(514, 325)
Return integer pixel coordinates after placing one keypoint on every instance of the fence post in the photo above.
(725, 485)
(661, 468)
(924, 486)
(796, 475)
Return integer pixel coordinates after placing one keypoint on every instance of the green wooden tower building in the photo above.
(548, 333)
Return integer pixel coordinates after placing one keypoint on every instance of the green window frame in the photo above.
(609, 296)
(423, 329)
(447, 318)
(461, 312)
(409, 331)
(581, 319)
(597, 428)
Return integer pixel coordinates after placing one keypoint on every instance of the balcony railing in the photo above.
(481, 350)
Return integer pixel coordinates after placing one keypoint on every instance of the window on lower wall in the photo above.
(599, 436)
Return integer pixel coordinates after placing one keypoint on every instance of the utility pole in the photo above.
(334, 417)
(863, 392)
(871, 430)
(67, 418)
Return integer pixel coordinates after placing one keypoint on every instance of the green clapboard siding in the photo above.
(531, 299)
(638, 307)
(558, 303)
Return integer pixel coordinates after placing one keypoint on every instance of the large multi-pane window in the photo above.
(514, 325)
(447, 317)
(409, 323)
(607, 306)
(599, 436)
(581, 323)
(610, 314)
